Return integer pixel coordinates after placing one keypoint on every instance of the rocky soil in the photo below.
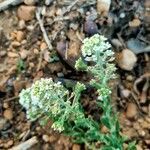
(43, 39)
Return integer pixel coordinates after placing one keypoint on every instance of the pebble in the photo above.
(131, 111)
(8, 114)
(5, 105)
(48, 2)
(76, 147)
(12, 54)
(23, 54)
(90, 27)
(26, 13)
(19, 36)
(21, 24)
(125, 93)
(127, 60)
(15, 44)
(43, 46)
(104, 129)
(45, 138)
(9, 143)
(2, 53)
(138, 147)
(135, 23)
(52, 138)
(103, 7)
(116, 43)
(30, 2)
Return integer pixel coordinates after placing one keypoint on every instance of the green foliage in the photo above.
(20, 65)
(46, 100)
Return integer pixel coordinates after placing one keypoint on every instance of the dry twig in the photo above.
(26, 145)
(38, 16)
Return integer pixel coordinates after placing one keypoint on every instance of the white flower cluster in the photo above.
(96, 46)
(43, 97)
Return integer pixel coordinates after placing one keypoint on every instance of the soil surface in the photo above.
(43, 39)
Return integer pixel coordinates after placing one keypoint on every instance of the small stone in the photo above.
(90, 27)
(5, 105)
(104, 129)
(12, 54)
(18, 85)
(127, 60)
(116, 43)
(52, 138)
(138, 147)
(45, 138)
(103, 7)
(30, 2)
(43, 46)
(21, 24)
(147, 142)
(142, 133)
(30, 27)
(26, 13)
(135, 23)
(76, 147)
(15, 44)
(131, 111)
(36, 51)
(129, 78)
(48, 2)
(8, 114)
(131, 133)
(2, 53)
(23, 54)
(125, 93)
(10, 143)
(19, 36)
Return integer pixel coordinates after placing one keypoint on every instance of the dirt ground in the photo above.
(43, 39)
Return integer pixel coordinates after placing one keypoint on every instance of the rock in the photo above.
(90, 27)
(76, 147)
(127, 60)
(3, 122)
(21, 24)
(8, 114)
(130, 133)
(5, 105)
(12, 54)
(19, 36)
(43, 46)
(9, 144)
(30, 2)
(125, 93)
(116, 43)
(131, 111)
(48, 2)
(15, 44)
(136, 46)
(104, 129)
(52, 138)
(138, 147)
(47, 55)
(45, 138)
(3, 53)
(26, 13)
(23, 54)
(135, 23)
(19, 85)
(103, 7)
